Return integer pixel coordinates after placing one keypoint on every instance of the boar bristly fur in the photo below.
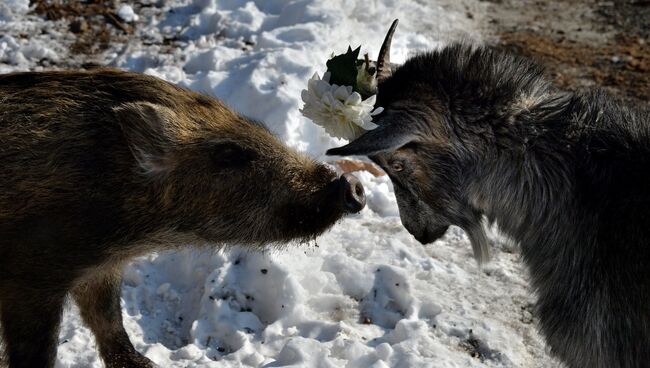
(100, 166)
(471, 132)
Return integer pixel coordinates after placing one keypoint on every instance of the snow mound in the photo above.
(126, 13)
(13, 9)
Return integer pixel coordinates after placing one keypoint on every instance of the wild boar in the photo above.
(473, 132)
(100, 166)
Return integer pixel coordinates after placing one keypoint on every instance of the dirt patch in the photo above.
(623, 67)
(94, 23)
(632, 16)
(582, 43)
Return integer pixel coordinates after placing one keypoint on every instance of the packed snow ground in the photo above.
(365, 294)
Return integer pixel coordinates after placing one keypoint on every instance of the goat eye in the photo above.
(397, 166)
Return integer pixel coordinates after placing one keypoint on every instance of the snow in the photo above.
(366, 293)
(12, 9)
(126, 13)
(25, 39)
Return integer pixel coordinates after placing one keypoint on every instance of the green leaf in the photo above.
(343, 68)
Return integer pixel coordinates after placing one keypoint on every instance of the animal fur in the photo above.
(469, 132)
(100, 166)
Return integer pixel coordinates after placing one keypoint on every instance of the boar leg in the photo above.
(30, 323)
(98, 299)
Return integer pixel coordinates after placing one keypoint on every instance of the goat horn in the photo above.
(383, 60)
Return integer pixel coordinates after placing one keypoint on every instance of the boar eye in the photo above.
(231, 155)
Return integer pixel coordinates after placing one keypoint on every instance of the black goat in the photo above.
(472, 132)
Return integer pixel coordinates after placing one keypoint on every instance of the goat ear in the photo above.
(144, 125)
(384, 138)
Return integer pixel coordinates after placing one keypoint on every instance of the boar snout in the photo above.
(352, 193)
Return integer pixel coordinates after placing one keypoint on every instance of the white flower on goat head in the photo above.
(338, 109)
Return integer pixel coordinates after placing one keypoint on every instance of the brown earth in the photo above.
(94, 23)
(582, 43)
(622, 67)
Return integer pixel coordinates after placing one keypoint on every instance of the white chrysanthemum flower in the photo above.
(338, 109)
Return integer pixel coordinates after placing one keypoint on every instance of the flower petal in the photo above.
(340, 110)
(353, 99)
(341, 93)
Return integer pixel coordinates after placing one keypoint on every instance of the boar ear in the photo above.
(144, 125)
(384, 138)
